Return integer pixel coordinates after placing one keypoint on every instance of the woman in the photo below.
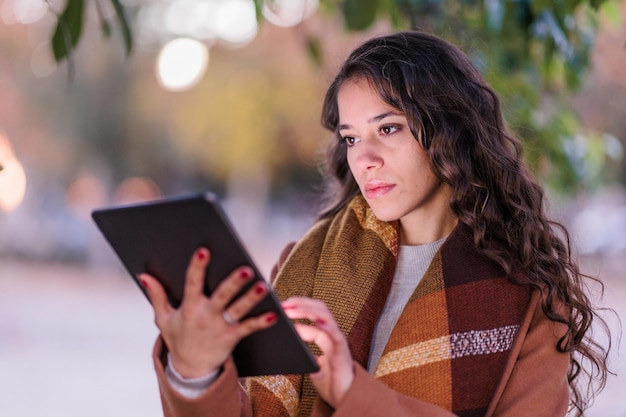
(433, 283)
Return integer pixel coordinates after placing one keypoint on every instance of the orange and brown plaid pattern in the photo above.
(448, 347)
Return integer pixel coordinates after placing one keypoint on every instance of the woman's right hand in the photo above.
(196, 333)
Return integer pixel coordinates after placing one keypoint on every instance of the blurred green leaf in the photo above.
(359, 14)
(258, 8)
(539, 6)
(126, 32)
(104, 22)
(106, 27)
(314, 49)
(68, 29)
(596, 3)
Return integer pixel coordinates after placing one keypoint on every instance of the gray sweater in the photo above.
(413, 261)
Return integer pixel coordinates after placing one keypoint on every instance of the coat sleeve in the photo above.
(225, 397)
(534, 384)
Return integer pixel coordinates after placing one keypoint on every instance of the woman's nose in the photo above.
(367, 155)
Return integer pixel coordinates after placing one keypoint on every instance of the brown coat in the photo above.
(537, 386)
(527, 378)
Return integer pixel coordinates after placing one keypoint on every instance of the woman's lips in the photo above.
(377, 190)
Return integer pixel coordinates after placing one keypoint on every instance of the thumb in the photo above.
(156, 294)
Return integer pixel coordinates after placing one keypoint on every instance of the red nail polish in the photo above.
(271, 318)
(320, 321)
(259, 289)
(245, 274)
(202, 255)
(143, 282)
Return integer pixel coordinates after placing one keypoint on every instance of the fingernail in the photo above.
(288, 307)
(245, 274)
(259, 288)
(142, 281)
(271, 317)
(202, 254)
(320, 321)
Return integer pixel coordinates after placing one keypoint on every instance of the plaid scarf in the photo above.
(450, 344)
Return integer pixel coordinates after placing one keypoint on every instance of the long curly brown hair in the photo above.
(458, 119)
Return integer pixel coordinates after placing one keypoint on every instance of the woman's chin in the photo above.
(385, 215)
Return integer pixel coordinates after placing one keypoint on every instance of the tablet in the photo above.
(160, 237)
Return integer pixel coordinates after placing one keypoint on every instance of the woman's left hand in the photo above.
(336, 372)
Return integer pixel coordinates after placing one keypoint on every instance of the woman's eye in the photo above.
(388, 130)
(350, 140)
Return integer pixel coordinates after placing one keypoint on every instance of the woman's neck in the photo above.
(427, 230)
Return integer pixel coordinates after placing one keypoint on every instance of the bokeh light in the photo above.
(136, 190)
(181, 64)
(12, 177)
(191, 18)
(85, 194)
(235, 21)
(287, 13)
(232, 21)
(23, 11)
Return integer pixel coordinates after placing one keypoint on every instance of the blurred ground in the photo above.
(77, 341)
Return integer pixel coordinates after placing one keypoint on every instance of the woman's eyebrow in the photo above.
(374, 119)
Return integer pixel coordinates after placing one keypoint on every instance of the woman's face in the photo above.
(388, 163)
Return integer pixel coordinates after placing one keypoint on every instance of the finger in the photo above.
(330, 337)
(317, 312)
(228, 288)
(307, 308)
(304, 303)
(307, 332)
(327, 336)
(194, 278)
(321, 337)
(336, 369)
(158, 297)
(313, 334)
(254, 324)
(335, 350)
(242, 306)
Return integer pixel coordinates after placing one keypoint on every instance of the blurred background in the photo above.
(117, 101)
